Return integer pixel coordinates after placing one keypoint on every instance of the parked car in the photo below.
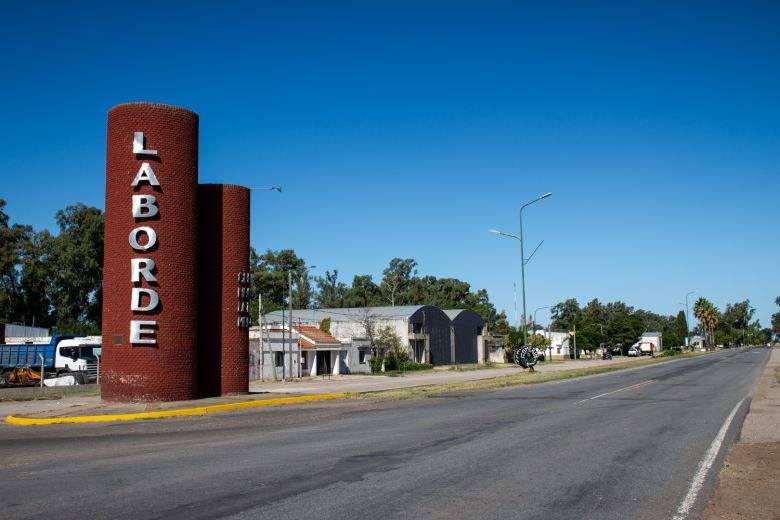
(633, 351)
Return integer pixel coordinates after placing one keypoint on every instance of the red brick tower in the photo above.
(150, 264)
(223, 290)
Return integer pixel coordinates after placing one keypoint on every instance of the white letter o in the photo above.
(149, 244)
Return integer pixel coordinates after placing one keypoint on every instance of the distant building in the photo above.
(561, 344)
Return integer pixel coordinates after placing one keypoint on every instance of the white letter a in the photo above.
(145, 174)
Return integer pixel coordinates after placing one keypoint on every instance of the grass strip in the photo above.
(47, 396)
(523, 378)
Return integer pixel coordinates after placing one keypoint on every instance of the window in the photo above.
(362, 356)
(479, 331)
(278, 359)
(416, 328)
(304, 357)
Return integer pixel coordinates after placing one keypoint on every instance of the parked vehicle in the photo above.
(646, 348)
(65, 354)
(633, 351)
(607, 355)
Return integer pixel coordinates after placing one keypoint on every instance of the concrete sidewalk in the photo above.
(750, 479)
(375, 383)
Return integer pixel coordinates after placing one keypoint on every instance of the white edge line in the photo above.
(704, 467)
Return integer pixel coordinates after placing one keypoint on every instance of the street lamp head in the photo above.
(274, 188)
(494, 231)
(546, 195)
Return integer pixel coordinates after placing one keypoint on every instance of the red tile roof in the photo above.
(312, 336)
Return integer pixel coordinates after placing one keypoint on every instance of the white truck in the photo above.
(63, 355)
(650, 344)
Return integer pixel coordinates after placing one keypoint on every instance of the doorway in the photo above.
(323, 362)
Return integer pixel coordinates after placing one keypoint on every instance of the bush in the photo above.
(671, 352)
(376, 364)
(396, 359)
(408, 366)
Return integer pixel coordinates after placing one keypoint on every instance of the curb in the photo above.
(202, 410)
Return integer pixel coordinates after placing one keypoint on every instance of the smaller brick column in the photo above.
(223, 290)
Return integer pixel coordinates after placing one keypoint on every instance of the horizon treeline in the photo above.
(56, 282)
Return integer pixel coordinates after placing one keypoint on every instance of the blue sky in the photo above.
(409, 129)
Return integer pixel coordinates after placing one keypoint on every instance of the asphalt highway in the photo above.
(621, 445)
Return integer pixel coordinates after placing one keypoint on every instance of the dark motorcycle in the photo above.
(607, 355)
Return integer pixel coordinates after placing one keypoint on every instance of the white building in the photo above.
(425, 330)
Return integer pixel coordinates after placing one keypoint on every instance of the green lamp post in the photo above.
(522, 258)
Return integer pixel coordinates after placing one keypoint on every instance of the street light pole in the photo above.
(522, 265)
(538, 309)
(687, 319)
(522, 260)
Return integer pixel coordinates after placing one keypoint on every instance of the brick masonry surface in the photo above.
(223, 344)
(165, 371)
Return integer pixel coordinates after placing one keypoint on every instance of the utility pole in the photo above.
(260, 324)
(289, 302)
(284, 350)
(576, 354)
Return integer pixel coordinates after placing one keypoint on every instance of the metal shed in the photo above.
(466, 328)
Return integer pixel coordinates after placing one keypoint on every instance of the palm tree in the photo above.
(708, 315)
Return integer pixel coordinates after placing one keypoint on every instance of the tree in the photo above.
(330, 292)
(396, 356)
(776, 318)
(303, 294)
(35, 276)
(363, 293)
(14, 241)
(269, 277)
(369, 331)
(501, 324)
(565, 315)
(539, 341)
(397, 279)
(325, 325)
(708, 315)
(624, 330)
(681, 325)
(75, 264)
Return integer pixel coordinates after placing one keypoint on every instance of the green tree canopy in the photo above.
(776, 318)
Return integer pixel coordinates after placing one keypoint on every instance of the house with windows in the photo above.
(274, 353)
(425, 330)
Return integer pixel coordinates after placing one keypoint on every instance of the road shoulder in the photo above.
(750, 478)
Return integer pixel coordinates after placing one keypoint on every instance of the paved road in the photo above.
(615, 446)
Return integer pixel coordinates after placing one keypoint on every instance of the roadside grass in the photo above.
(523, 378)
(470, 368)
(399, 373)
(777, 374)
(47, 396)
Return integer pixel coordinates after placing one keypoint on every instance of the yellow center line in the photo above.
(616, 391)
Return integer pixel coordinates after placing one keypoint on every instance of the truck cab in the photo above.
(78, 355)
